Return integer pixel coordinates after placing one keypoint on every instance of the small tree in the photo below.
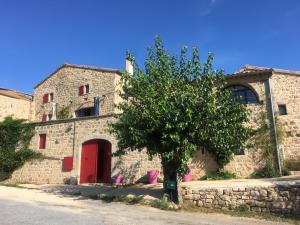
(15, 136)
(171, 108)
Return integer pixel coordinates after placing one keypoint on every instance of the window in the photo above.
(87, 89)
(49, 116)
(84, 89)
(46, 98)
(81, 90)
(282, 110)
(243, 95)
(85, 112)
(42, 142)
(51, 97)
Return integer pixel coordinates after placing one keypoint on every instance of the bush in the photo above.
(15, 136)
(219, 175)
(4, 175)
(267, 171)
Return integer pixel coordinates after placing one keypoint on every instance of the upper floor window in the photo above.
(242, 94)
(87, 89)
(84, 89)
(90, 111)
(48, 97)
(51, 97)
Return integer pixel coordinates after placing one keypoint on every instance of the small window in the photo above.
(87, 89)
(81, 90)
(282, 110)
(84, 89)
(46, 98)
(42, 141)
(49, 116)
(51, 97)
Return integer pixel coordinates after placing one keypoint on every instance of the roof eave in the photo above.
(79, 67)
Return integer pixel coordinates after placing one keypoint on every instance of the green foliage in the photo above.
(218, 175)
(267, 171)
(264, 140)
(15, 136)
(176, 105)
(64, 112)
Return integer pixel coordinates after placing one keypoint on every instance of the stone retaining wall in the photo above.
(282, 197)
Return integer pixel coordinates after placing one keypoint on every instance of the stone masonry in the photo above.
(15, 104)
(65, 137)
(282, 197)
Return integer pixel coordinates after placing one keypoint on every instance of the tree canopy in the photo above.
(175, 105)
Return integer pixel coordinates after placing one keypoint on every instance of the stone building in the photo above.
(15, 104)
(73, 107)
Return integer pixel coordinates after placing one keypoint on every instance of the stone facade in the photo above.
(286, 91)
(64, 84)
(66, 137)
(282, 197)
(15, 104)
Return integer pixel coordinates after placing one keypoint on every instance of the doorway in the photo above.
(96, 162)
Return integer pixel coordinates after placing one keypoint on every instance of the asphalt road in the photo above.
(14, 213)
(34, 207)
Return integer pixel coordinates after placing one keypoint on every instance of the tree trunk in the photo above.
(171, 175)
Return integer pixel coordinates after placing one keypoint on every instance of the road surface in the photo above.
(33, 207)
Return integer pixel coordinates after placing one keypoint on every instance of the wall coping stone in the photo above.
(50, 122)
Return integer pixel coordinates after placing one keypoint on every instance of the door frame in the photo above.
(96, 139)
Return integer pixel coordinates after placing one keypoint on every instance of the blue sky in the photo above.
(38, 36)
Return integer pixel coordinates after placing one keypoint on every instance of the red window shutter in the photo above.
(44, 118)
(68, 163)
(42, 144)
(45, 98)
(81, 90)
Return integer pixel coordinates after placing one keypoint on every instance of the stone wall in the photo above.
(246, 164)
(65, 138)
(286, 91)
(17, 108)
(65, 83)
(281, 197)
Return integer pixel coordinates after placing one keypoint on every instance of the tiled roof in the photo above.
(101, 69)
(252, 70)
(15, 94)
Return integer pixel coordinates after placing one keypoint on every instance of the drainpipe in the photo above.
(274, 125)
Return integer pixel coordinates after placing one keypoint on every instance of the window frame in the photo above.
(282, 106)
(249, 96)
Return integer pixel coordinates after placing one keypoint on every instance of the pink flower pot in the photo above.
(187, 177)
(118, 179)
(152, 176)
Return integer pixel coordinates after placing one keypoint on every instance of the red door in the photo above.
(89, 162)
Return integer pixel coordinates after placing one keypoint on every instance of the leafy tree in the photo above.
(174, 106)
(15, 136)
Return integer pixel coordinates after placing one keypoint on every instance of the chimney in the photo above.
(129, 66)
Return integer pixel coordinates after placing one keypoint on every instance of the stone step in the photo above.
(295, 173)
